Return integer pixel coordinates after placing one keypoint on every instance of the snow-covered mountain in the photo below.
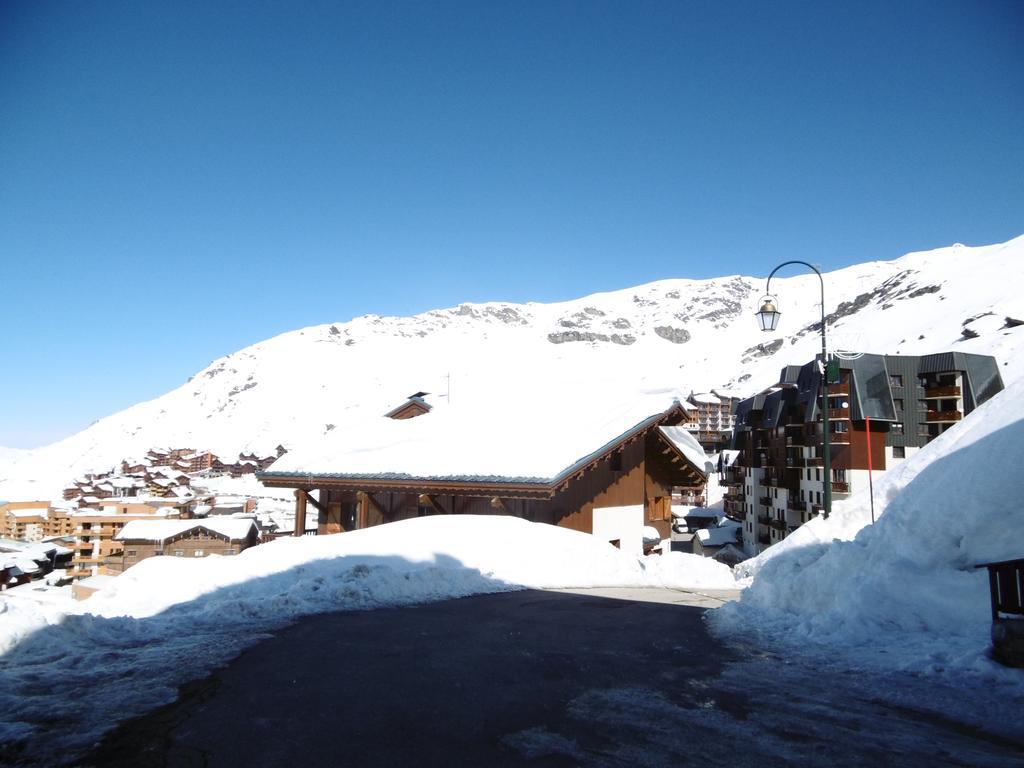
(668, 335)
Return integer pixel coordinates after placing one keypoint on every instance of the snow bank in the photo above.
(904, 592)
(168, 620)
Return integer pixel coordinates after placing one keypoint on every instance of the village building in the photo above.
(881, 409)
(559, 465)
(33, 521)
(141, 539)
(21, 561)
(97, 550)
(711, 418)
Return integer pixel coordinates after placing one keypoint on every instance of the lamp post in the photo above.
(768, 316)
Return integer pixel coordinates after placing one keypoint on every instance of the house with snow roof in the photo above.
(186, 538)
(560, 461)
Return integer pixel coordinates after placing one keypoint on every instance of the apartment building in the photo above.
(710, 418)
(33, 521)
(881, 409)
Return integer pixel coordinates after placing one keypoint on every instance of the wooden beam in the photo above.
(426, 498)
(320, 507)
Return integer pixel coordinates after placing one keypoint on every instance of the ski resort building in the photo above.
(881, 409)
(614, 470)
(142, 539)
(711, 418)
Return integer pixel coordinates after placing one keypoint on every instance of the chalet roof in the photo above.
(688, 446)
(160, 530)
(541, 443)
(705, 398)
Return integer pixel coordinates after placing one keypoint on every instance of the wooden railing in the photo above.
(947, 391)
(944, 416)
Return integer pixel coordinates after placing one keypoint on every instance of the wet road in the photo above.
(552, 679)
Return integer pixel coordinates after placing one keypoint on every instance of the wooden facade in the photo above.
(198, 541)
(641, 467)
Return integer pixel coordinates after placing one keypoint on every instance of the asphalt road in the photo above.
(549, 679)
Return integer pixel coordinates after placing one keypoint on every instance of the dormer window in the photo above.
(415, 406)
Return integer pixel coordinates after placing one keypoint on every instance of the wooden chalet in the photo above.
(639, 465)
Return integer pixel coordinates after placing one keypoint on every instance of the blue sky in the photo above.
(181, 179)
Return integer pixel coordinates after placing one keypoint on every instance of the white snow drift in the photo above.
(904, 592)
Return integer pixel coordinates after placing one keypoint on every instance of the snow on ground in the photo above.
(168, 620)
(903, 592)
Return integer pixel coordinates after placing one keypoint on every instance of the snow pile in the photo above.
(168, 620)
(904, 592)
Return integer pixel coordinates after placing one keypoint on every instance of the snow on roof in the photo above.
(532, 440)
(100, 581)
(34, 512)
(230, 501)
(727, 394)
(717, 537)
(34, 550)
(729, 457)
(161, 530)
(687, 445)
(706, 398)
(683, 511)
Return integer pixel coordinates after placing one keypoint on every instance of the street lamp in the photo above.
(768, 317)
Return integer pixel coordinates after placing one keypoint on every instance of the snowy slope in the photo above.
(904, 592)
(668, 335)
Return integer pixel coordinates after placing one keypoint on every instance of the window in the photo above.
(817, 475)
(198, 553)
(899, 403)
(895, 380)
(899, 452)
(179, 553)
(129, 553)
(896, 428)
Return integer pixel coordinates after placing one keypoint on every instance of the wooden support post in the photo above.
(367, 505)
(363, 510)
(300, 512)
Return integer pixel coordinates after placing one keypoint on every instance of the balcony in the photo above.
(764, 520)
(840, 487)
(764, 538)
(839, 413)
(778, 525)
(766, 501)
(932, 393)
(839, 389)
(796, 505)
(944, 416)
